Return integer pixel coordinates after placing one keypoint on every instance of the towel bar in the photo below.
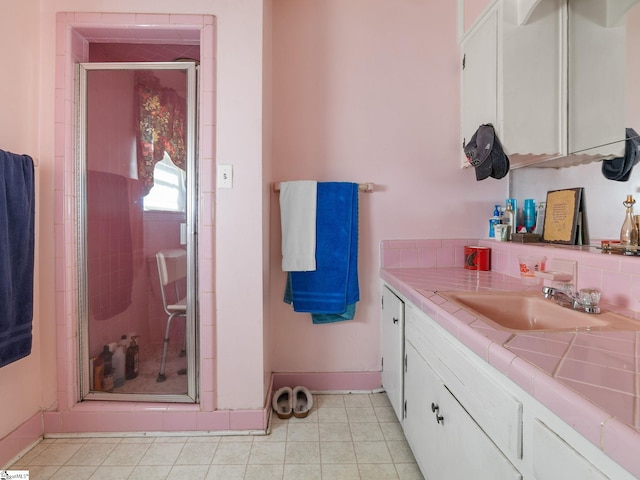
(362, 187)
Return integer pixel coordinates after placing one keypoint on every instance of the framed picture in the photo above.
(564, 219)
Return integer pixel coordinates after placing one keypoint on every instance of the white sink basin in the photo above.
(530, 311)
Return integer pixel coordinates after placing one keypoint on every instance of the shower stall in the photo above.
(137, 210)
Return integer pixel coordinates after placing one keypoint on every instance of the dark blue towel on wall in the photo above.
(332, 289)
(17, 211)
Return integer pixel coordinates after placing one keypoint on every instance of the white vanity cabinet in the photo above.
(446, 441)
(392, 332)
(446, 430)
(465, 419)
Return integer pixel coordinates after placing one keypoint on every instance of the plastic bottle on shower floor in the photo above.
(98, 373)
(107, 358)
(118, 366)
(132, 359)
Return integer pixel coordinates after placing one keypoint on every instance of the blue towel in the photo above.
(333, 287)
(320, 318)
(348, 314)
(17, 212)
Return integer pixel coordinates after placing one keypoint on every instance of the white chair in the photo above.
(172, 268)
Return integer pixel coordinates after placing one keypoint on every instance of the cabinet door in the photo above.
(553, 458)
(480, 76)
(446, 441)
(420, 425)
(465, 450)
(392, 331)
(533, 114)
(596, 81)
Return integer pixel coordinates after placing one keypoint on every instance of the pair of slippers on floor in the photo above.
(289, 401)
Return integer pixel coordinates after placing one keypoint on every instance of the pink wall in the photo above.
(29, 383)
(368, 91)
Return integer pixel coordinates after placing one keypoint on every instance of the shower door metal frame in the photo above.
(84, 388)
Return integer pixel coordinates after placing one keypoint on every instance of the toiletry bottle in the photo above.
(107, 369)
(131, 360)
(514, 206)
(107, 383)
(493, 221)
(542, 210)
(509, 219)
(529, 214)
(629, 230)
(118, 366)
(98, 373)
(107, 358)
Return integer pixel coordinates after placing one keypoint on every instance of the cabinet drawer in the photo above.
(469, 379)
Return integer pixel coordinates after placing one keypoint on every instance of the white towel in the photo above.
(298, 220)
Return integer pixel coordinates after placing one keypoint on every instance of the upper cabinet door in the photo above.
(480, 77)
(596, 79)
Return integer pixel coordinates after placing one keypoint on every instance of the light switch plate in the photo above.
(225, 176)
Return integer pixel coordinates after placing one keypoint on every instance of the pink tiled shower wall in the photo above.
(616, 276)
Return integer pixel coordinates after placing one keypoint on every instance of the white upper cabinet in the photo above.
(550, 76)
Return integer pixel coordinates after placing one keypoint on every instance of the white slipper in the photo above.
(302, 402)
(282, 402)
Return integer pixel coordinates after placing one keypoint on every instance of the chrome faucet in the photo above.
(586, 300)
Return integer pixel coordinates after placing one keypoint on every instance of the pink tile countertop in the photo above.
(589, 379)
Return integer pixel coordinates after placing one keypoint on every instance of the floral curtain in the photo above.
(161, 126)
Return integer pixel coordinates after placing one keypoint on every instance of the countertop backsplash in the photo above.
(616, 276)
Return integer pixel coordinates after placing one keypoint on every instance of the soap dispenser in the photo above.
(493, 221)
(629, 230)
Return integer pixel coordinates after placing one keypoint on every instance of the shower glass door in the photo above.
(137, 255)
